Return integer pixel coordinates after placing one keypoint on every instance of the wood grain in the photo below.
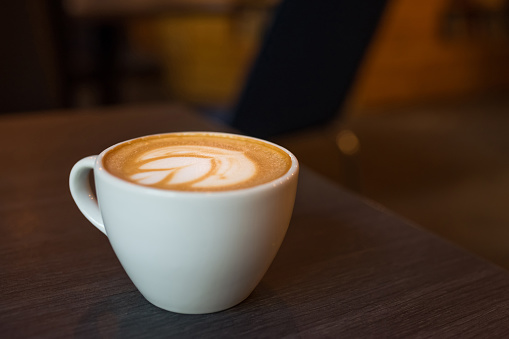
(347, 268)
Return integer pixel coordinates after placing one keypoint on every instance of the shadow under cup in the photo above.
(189, 252)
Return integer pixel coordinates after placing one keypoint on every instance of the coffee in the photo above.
(197, 161)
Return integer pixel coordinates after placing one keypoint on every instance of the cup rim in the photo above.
(292, 171)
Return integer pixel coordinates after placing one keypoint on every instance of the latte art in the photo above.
(198, 166)
(197, 161)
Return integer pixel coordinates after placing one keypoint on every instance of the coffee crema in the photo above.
(197, 162)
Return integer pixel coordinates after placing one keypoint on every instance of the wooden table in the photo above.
(347, 267)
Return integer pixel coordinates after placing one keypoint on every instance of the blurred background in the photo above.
(422, 127)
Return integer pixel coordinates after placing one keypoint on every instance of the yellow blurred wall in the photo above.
(205, 57)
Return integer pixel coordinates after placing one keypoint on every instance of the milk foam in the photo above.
(196, 161)
(198, 166)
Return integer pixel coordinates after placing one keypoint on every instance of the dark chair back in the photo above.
(307, 64)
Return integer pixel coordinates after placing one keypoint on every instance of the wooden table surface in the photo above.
(347, 267)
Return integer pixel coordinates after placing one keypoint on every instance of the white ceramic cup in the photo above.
(188, 252)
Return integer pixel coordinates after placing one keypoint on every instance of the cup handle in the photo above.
(82, 193)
